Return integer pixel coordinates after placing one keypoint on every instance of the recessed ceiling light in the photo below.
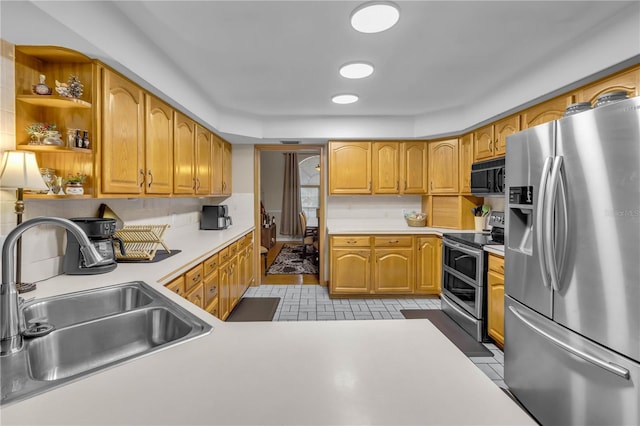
(374, 17)
(344, 99)
(356, 70)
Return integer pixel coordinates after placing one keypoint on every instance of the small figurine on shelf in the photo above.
(37, 131)
(71, 89)
(41, 88)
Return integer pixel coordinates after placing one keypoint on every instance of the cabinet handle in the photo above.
(224, 185)
(369, 185)
(142, 175)
(497, 144)
(431, 183)
(397, 185)
(393, 241)
(150, 178)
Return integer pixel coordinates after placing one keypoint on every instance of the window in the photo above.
(310, 186)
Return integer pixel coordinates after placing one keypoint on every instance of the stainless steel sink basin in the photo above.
(135, 320)
(74, 308)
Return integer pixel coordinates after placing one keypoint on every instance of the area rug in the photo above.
(290, 261)
(449, 328)
(254, 309)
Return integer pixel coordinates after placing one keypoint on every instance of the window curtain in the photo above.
(291, 202)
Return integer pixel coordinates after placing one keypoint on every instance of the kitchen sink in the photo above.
(74, 308)
(133, 321)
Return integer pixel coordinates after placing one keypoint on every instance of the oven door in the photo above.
(466, 295)
(466, 261)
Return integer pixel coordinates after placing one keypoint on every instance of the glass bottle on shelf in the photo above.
(71, 138)
(78, 139)
(85, 139)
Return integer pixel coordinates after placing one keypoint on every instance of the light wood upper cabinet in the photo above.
(443, 167)
(122, 149)
(550, 110)
(626, 81)
(385, 167)
(202, 161)
(491, 141)
(184, 154)
(158, 146)
(349, 167)
(226, 168)
(465, 150)
(429, 259)
(413, 167)
(217, 153)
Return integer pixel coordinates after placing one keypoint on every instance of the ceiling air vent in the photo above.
(290, 142)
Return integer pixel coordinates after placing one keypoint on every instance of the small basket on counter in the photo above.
(416, 219)
(140, 241)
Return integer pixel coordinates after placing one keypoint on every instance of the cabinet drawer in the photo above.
(193, 277)
(496, 263)
(177, 285)
(223, 255)
(354, 241)
(393, 241)
(210, 265)
(212, 308)
(233, 249)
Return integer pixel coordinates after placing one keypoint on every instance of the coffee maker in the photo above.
(215, 217)
(101, 234)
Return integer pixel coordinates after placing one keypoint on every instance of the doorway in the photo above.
(312, 193)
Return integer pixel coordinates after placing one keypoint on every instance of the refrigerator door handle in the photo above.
(609, 366)
(542, 191)
(549, 250)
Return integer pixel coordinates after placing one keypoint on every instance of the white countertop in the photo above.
(382, 226)
(499, 250)
(387, 372)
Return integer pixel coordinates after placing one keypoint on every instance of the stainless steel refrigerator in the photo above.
(572, 267)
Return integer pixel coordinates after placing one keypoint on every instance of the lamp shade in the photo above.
(19, 169)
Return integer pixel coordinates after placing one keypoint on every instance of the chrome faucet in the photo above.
(10, 322)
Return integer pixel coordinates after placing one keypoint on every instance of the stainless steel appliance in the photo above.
(464, 276)
(572, 259)
(487, 177)
(101, 234)
(215, 217)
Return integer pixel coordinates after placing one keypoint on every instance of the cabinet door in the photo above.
(122, 136)
(628, 81)
(503, 128)
(350, 271)
(158, 146)
(385, 167)
(250, 275)
(413, 167)
(211, 288)
(443, 167)
(184, 154)
(217, 154)
(466, 159)
(227, 181)
(495, 306)
(349, 167)
(196, 296)
(223, 291)
(550, 110)
(202, 162)
(393, 270)
(483, 143)
(234, 279)
(428, 279)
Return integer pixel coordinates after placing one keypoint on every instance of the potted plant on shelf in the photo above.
(73, 184)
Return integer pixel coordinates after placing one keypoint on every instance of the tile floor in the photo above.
(312, 303)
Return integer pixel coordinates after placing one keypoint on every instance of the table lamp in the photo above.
(19, 170)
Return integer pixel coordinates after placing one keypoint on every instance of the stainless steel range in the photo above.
(464, 276)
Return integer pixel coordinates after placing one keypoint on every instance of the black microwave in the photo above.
(488, 178)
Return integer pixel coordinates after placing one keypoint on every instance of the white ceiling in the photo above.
(267, 69)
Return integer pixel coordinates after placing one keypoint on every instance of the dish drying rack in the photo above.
(141, 242)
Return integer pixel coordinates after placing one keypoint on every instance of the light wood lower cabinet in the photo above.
(495, 299)
(383, 265)
(429, 261)
(217, 284)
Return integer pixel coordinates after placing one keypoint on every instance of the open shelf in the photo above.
(53, 148)
(53, 101)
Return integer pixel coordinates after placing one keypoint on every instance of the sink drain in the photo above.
(38, 330)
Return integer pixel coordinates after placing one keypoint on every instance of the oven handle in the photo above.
(462, 248)
(458, 310)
